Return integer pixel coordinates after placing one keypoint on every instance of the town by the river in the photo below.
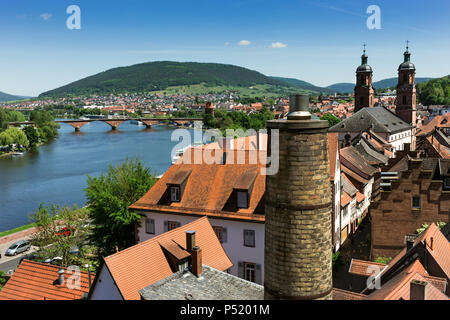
(56, 172)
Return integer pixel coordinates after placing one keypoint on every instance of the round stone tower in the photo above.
(298, 248)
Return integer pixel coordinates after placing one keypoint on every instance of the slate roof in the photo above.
(377, 119)
(145, 263)
(211, 285)
(350, 157)
(37, 281)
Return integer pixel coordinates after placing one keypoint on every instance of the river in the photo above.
(56, 172)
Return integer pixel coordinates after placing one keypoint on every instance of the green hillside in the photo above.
(156, 76)
(305, 85)
(382, 84)
(9, 97)
(342, 87)
(434, 92)
(392, 82)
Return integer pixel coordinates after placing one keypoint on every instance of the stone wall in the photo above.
(298, 228)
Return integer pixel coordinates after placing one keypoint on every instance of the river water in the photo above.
(56, 172)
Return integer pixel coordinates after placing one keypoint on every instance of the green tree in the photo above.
(53, 240)
(18, 137)
(332, 120)
(32, 135)
(6, 139)
(109, 197)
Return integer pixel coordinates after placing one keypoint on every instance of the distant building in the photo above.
(406, 91)
(421, 271)
(379, 120)
(415, 191)
(364, 91)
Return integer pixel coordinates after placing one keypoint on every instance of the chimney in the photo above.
(196, 256)
(409, 240)
(418, 290)
(190, 241)
(60, 277)
(297, 259)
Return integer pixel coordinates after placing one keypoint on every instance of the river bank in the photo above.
(56, 172)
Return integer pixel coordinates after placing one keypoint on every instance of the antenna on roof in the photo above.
(364, 45)
(407, 45)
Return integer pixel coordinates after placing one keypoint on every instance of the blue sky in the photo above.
(316, 41)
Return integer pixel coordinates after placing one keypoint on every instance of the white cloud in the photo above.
(46, 16)
(227, 43)
(244, 43)
(278, 45)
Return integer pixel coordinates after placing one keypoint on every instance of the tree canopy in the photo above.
(109, 197)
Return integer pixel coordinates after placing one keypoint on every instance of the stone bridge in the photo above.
(115, 123)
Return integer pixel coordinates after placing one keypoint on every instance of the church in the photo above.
(396, 128)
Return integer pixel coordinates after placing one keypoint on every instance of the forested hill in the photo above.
(435, 92)
(305, 85)
(155, 76)
(9, 97)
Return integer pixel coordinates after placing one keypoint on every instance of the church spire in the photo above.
(407, 54)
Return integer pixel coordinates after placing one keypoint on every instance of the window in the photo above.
(404, 99)
(150, 226)
(447, 183)
(416, 202)
(219, 233)
(249, 271)
(249, 238)
(172, 225)
(361, 100)
(242, 199)
(175, 194)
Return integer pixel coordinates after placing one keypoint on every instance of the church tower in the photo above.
(406, 91)
(364, 92)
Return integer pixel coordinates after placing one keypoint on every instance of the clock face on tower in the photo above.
(405, 88)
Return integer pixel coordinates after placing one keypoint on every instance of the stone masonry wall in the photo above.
(298, 227)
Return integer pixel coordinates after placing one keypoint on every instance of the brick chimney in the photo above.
(418, 290)
(190, 241)
(298, 248)
(196, 256)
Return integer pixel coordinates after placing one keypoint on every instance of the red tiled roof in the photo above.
(359, 197)
(36, 281)
(145, 263)
(442, 121)
(363, 268)
(333, 147)
(339, 294)
(345, 199)
(209, 186)
(399, 288)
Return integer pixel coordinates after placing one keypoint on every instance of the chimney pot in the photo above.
(196, 256)
(299, 107)
(418, 290)
(61, 277)
(190, 240)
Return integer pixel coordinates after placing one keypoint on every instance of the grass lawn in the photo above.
(7, 233)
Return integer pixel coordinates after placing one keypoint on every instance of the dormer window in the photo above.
(175, 194)
(242, 199)
(176, 185)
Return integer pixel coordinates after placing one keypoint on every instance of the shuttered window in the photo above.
(170, 225)
(221, 233)
(249, 238)
(150, 226)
